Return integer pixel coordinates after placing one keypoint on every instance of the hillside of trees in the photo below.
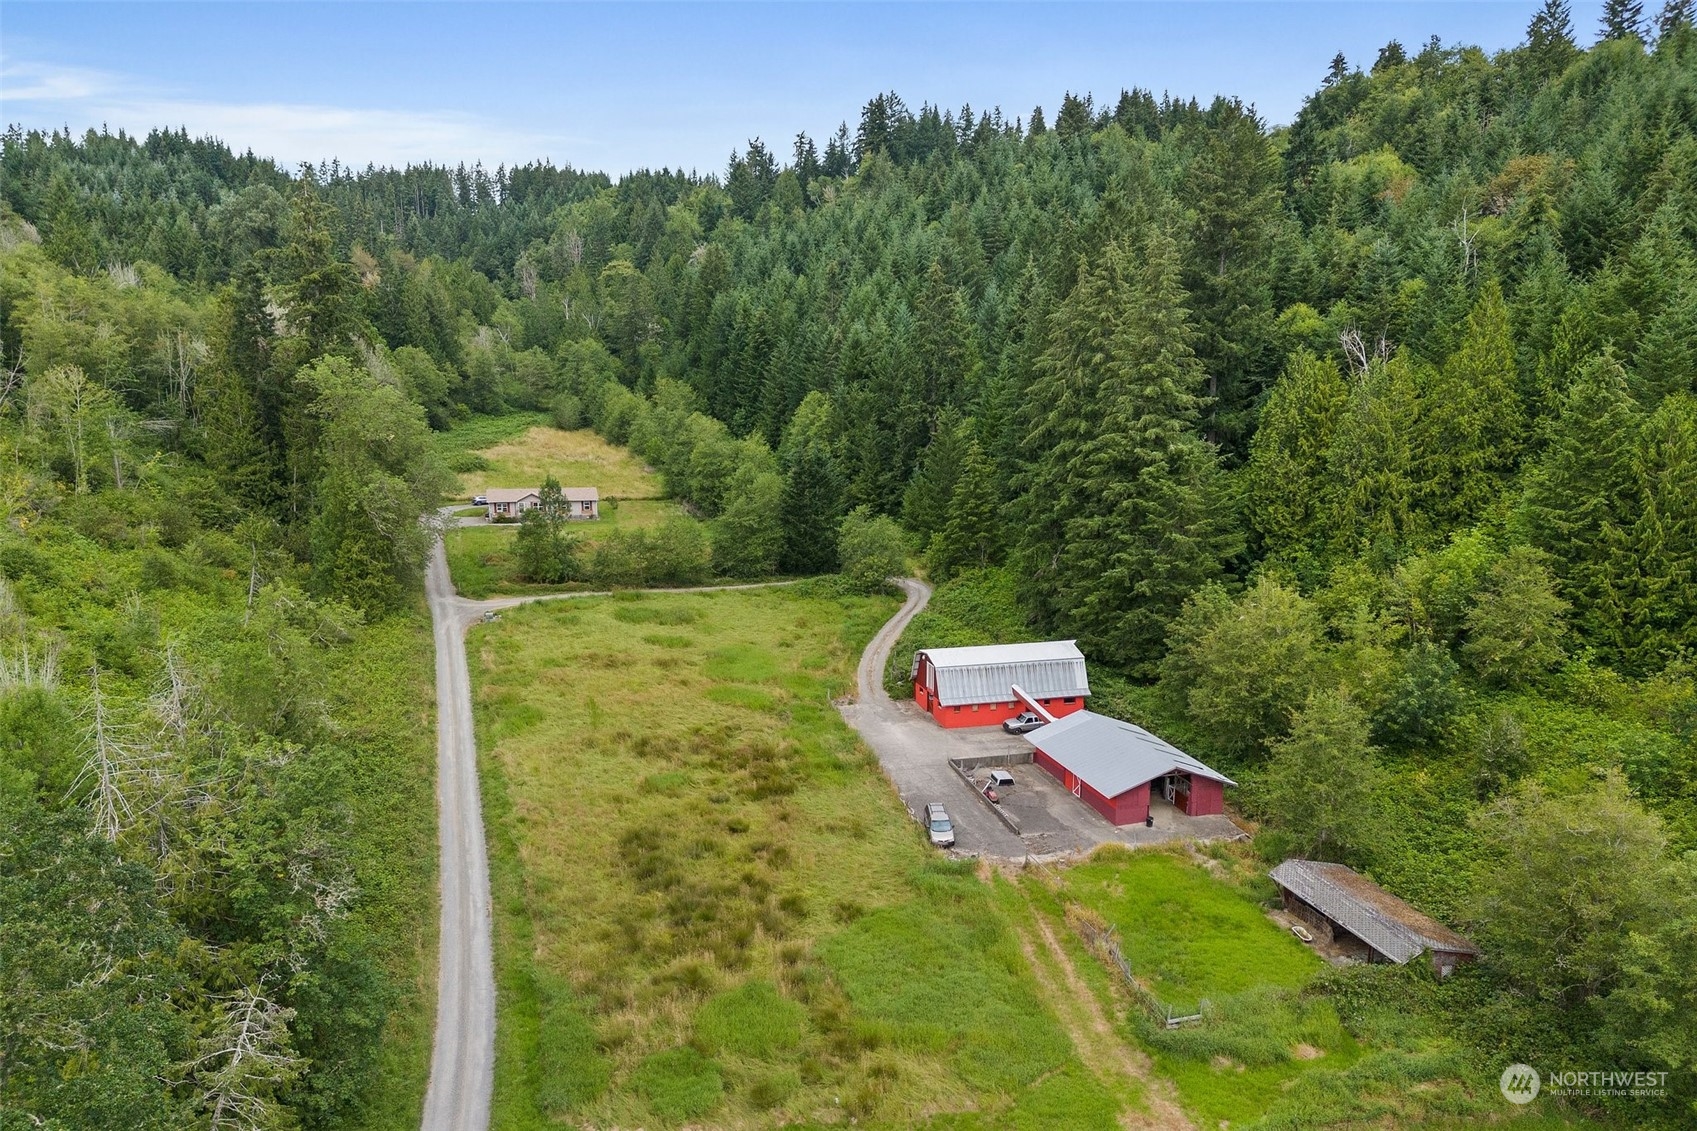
(1362, 449)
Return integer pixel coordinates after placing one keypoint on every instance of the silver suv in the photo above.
(937, 824)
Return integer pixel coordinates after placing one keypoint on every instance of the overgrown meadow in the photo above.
(711, 906)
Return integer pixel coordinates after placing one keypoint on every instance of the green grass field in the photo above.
(1190, 935)
(711, 907)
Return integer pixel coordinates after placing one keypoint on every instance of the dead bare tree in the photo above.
(1468, 237)
(1360, 354)
(184, 355)
(245, 1061)
(11, 376)
(114, 766)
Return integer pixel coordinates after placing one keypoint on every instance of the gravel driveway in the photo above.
(915, 751)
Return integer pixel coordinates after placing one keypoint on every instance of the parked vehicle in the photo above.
(938, 826)
(990, 793)
(1001, 779)
(1023, 723)
(480, 500)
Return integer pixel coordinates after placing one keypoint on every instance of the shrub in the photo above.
(871, 548)
(567, 412)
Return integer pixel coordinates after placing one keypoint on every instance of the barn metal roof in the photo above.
(1111, 755)
(984, 674)
(1367, 911)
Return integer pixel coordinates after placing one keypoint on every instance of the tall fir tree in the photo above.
(1471, 422)
(1659, 559)
(809, 510)
(1578, 505)
(1291, 494)
(1235, 186)
(1622, 19)
(1549, 37)
(1665, 361)
(925, 503)
(1674, 19)
(1371, 460)
(971, 534)
(1141, 495)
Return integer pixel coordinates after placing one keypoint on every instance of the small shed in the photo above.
(512, 502)
(1345, 907)
(970, 687)
(1113, 766)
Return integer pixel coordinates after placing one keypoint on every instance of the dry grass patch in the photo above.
(576, 459)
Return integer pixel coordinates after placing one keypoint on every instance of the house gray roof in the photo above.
(516, 494)
(1112, 756)
(984, 674)
(1367, 911)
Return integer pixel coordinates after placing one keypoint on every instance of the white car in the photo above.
(938, 826)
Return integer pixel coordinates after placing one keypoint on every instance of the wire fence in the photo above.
(1103, 940)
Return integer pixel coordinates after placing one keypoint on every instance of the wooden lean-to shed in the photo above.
(1347, 909)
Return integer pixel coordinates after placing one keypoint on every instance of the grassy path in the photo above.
(1100, 1044)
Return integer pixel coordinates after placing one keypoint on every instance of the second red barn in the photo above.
(974, 687)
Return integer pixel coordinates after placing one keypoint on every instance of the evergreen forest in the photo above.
(1361, 450)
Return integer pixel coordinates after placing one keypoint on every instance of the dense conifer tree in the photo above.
(1658, 561)
(971, 534)
(1622, 19)
(1372, 459)
(1138, 493)
(1291, 492)
(1470, 421)
(1578, 501)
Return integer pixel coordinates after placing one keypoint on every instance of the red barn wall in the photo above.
(988, 714)
(980, 714)
(1207, 797)
(1129, 808)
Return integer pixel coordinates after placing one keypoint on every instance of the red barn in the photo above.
(973, 687)
(1112, 765)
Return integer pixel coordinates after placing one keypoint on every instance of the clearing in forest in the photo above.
(578, 458)
(711, 908)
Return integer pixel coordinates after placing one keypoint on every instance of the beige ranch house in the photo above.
(512, 502)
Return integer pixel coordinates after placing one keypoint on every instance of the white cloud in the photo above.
(49, 96)
(43, 82)
(293, 132)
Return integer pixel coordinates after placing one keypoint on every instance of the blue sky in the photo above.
(617, 87)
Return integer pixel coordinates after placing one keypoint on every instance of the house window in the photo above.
(1070, 699)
